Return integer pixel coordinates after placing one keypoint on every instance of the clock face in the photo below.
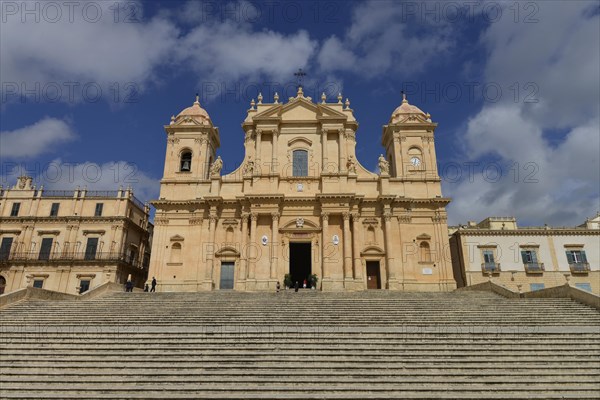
(416, 161)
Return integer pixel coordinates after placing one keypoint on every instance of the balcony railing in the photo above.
(492, 267)
(79, 257)
(579, 268)
(534, 268)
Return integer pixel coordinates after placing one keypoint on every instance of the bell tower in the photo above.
(409, 142)
(192, 141)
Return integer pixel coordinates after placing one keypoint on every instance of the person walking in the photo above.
(296, 286)
(278, 286)
(146, 288)
(153, 285)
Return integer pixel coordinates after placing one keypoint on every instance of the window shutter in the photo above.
(524, 256)
(570, 257)
(534, 256)
(583, 257)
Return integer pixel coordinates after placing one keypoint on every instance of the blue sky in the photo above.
(514, 87)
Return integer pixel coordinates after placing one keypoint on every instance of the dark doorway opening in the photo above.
(300, 262)
(227, 270)
(373, 276)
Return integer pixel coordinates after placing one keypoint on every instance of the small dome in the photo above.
(405, 109)
(196, 112)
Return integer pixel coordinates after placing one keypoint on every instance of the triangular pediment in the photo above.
(299, 109)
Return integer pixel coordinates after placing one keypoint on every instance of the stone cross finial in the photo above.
(299, 76)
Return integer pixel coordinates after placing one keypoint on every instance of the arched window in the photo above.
(176, 253)
(2, 284)
(185, 164)
(425, 253)
(300, 163)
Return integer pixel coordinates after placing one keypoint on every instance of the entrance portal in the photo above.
(227, 269)
(300, 262)
(373, 277)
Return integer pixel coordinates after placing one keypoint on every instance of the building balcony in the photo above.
(488, 268)
(579, 268)
(534, 268)
(78, 258)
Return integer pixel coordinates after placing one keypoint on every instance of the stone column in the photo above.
(274, 244)
(212, 224)
(387, 228)
(205, 168)
(257, 150)
(341, 152)
(244, 253)
(347, 247)
(252, 249)
(274, 152)
(324, 243)
(324, 149)
(355, 246)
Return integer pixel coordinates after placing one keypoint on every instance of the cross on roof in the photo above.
(299, 75)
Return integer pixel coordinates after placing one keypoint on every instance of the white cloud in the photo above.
(60, 175)
(32, 140)
(231, 51)
(76, 50)
(382, 40)
(558, 180)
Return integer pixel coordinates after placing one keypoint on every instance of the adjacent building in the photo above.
(71, 241)
(300, 203)
(527, 258)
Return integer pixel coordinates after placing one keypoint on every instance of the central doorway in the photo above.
(373, 276)
(300, 262)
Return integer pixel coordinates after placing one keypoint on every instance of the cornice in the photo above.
(528, 232)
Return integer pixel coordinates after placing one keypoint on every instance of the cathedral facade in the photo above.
(301, 204)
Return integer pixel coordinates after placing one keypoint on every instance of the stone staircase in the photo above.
(305, 345)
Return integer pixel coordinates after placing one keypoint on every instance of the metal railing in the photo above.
(58, 193)
(579, 268)
(534, 267)
(82, 257)
(490, 267)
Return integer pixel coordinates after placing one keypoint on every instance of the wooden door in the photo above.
(373, 280)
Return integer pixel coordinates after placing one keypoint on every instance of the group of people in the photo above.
(129, 286)
(296, 286)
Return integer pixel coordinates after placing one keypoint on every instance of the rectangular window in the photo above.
(584, 286)
(99, 207)
(45, 249)
(14, 211)
(84, 286)
(5, 248)
(38, 283)
(529, 256)
(576, 256)
(300, 163)
(536, 286)
(54, 209)
(90, 248)
(488, 256)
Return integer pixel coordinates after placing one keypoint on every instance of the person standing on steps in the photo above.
(278, 286)
(153, 284)
(129, 286)
(296, 286)
(304, 284)
(146, 288)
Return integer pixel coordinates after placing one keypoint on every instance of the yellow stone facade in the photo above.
(71, 241)
(527, 258)
(301, 203)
